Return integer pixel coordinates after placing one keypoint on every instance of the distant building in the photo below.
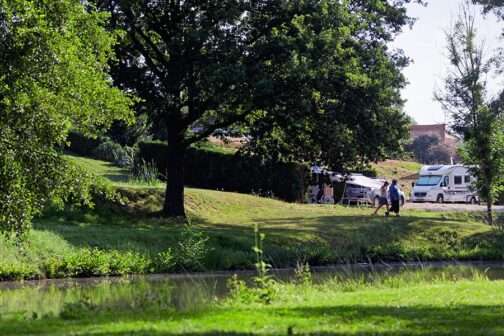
(439, 131)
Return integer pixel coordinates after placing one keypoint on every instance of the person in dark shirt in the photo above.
(395, 198)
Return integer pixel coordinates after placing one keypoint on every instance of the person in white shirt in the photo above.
(382, 199)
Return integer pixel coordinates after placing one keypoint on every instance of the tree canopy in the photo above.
(53, 61)
(340, 94)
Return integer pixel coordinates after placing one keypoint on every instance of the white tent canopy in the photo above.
(356, 179)
(364, 181)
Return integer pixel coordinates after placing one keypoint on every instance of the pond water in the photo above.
(32, 299)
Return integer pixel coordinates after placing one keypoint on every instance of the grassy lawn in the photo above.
(131, 237)
(437, 308)
(400, 170)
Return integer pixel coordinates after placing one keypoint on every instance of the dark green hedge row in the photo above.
(233, 172)
(82, 145)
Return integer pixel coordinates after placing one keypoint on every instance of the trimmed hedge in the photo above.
(233, 172)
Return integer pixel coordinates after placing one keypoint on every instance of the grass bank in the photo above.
(130, 238)
(411, 305)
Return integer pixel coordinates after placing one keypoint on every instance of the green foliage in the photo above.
(265, 286)
(102, 148)
(479, 121)
(348, 110)
(95, 262)
(53, 61)
(303, 274)
(485, 152)
(17, 271)
(131, 134)
(191, 249)
(111, 152)
(165, 261)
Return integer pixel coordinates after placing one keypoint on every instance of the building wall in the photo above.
(438, 131)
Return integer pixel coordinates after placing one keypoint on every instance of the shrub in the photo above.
(165, 261)
(111, 152)
(191, 249)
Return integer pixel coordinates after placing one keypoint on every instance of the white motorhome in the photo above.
(444, 183)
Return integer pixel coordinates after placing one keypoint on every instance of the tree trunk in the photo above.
(174, 197)
(489, 212)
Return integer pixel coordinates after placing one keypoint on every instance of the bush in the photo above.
(102, 148)
(111, 152)
(191, 249)
(233, 172)
(165, 261)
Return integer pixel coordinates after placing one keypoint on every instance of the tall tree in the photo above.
(204, 65)
(473, 117)
(53, 58)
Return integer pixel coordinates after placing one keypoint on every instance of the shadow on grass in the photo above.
(318, 240)
(119, 177)
(355, 319)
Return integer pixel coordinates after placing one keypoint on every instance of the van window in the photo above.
(428, 180)
(457, 180)
(467, 179)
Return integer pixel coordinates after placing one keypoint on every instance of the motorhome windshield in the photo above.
(428, 180)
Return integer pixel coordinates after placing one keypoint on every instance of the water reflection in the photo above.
(34, 299)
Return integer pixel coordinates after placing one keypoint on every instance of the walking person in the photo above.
(382, 198)
(395, 198)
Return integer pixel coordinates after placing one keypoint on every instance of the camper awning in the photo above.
(364, 181)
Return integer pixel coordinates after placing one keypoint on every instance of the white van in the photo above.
(444, 183)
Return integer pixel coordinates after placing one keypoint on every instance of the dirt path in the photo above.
(450, 207)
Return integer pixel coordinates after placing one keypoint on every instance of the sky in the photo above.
(425, 44)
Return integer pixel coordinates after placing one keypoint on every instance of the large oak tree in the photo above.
(315, 76)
